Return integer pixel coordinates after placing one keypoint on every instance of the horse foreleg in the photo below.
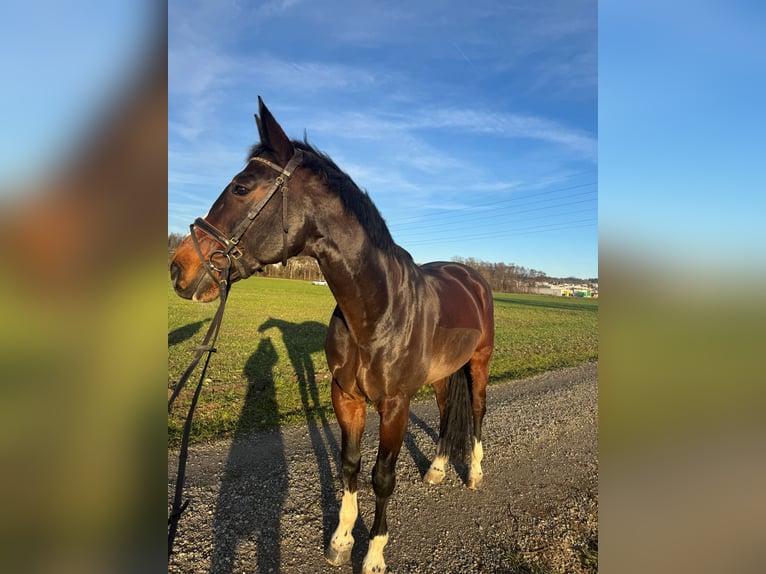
(436, 472)
(393, 424)
(351, 414)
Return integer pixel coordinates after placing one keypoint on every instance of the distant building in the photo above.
(568, 290)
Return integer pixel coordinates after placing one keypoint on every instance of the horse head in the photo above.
(254, 222)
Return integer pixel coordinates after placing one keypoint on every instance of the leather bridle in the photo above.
(231, 250)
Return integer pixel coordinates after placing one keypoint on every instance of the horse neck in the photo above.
(362, 277)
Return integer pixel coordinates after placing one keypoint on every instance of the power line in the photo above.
(542, 178)
(483, 217)
(411, 221)
(416, 234)
(583, 223)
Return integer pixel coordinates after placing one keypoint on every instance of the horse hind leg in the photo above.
(436, 471)
(476, 475)
(454, 402)
(479, 369)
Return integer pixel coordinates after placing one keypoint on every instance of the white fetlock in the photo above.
(475, 475)
(342, 541)
(436, 472)
(373, 562)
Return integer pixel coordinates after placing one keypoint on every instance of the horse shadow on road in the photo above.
(422, 461)
(250, 504)
(301, 340)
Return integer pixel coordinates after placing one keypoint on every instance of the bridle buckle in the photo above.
(235, 252)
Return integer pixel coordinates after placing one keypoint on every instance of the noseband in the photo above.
(230, 250)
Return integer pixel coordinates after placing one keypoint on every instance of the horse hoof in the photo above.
(337, 557)
(434, 476)
(474, 481)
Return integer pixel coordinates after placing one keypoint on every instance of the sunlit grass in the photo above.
(270, 366)
(537, 333)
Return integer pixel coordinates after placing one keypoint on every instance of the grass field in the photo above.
(270, 366)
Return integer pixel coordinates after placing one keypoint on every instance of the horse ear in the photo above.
(272, 135)
(260, 127)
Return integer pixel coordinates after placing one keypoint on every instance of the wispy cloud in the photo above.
(306, 75)
(507, 125)
(374, 125)
(202, 81)
(277, 6)
(431, 107)
(196, 70)
(197, 80)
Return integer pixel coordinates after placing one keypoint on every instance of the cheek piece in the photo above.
(230, 250)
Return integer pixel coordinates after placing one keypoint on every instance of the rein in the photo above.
(207, 346)
(232, 255)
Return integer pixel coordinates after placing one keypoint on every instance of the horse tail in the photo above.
(457, 422)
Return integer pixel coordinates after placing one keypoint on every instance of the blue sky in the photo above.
(473, 126)
(682, 119)
(61, 63)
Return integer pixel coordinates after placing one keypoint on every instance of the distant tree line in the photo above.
(503, 277)
(174, 240)
(512, 278)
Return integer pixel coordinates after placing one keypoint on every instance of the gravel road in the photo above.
(268, 502)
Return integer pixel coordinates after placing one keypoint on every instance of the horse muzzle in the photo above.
(200, 287)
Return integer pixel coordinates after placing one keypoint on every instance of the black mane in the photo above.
(354, 200)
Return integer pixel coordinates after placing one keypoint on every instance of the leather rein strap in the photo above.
(232, 255)
(208, 346)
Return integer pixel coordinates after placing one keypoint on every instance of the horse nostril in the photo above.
(175, 271)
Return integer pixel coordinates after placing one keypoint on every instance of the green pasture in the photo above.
(270, 367)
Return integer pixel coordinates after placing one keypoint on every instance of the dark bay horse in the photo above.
(397, 326)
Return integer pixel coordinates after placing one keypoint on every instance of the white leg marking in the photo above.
(475, 476)
(373, 562)
(342, 540)
(436, 472)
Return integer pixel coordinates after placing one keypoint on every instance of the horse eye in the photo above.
(240, 190)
